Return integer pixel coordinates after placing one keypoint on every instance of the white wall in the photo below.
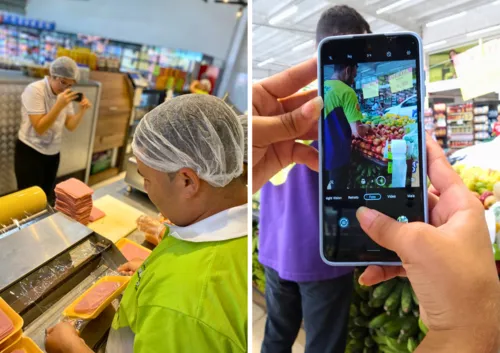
(178, 24)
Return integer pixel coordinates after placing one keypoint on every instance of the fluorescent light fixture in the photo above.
(285, 14)
(265, 62)
(484, 30)
(435, 44)
(304, 45)
(446, 19)
(315, 9)
(392, 6)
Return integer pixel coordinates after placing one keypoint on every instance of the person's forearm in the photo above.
(43, 124)
(73, 121)
(481, 340)
(81, 347)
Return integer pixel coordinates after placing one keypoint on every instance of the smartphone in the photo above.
(79, 97)
(371, 141)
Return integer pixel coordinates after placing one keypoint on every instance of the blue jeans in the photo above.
(323, 305)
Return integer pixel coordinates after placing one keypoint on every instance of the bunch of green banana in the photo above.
(384, 318)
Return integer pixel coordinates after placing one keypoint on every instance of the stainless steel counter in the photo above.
(31, 247)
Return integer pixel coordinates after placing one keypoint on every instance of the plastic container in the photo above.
(399, 166)
(24, 343)
(17, 322)
(70, 312)
(123, 241)
(11, 341)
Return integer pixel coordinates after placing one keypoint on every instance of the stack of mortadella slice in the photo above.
(74, 199)
(6, 325)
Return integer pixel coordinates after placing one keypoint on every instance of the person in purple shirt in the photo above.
(299, 285)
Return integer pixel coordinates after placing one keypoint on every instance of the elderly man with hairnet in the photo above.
(46, 111)
(190, 294)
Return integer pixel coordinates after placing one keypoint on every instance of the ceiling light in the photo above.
(239, 13)
(435, 44)
(446, 19)
(303, 45)
(265, 62)
(484, 30)
(315, 9)
(285, 14)
(392, 6)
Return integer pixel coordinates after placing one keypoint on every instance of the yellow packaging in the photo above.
(24, 343)
(21, 203)
(70, 310)
(17, 322)
(123, 241)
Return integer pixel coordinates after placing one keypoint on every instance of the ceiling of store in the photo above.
(278, 44)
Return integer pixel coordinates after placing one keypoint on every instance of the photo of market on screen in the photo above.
(370, 125)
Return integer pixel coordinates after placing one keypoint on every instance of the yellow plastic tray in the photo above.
(17, 321)
(25, 343)
(70, 312)
(123, 241)
(11, 341)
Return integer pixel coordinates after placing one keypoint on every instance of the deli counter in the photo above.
(48, 260)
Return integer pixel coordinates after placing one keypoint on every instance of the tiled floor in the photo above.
(259, 322)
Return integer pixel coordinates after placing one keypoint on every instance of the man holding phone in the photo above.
(342, 120)
(299, 284)
(46, 110)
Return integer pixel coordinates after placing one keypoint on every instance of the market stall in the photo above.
(54, 260)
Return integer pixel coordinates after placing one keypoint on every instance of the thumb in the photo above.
(384, 230)
(288, 126)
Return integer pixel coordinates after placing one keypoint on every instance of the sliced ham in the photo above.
(96, 297)
(75, 188)
(6, 325)
(96, 214)
(131, 252)
(74, 199)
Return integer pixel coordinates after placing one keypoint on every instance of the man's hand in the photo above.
(85, 104)
(280, 116)
(130, 267)
(449, 263)
(63, 338)
(65, 98)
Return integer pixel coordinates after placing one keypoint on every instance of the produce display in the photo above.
(384, 318)
(483, 183)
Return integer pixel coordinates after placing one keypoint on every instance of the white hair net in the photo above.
(194, 131)
(65, 67)
(244, 124)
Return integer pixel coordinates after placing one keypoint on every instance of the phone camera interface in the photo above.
(370, 126)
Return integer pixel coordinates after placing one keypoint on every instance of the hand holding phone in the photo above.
(371, 141)
(79, 97)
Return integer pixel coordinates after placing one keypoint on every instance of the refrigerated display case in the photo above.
(50, 42)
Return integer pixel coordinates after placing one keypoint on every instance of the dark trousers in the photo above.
(340, 177)
(324, 306)
(36, 169)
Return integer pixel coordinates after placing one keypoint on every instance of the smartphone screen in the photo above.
(372, 142)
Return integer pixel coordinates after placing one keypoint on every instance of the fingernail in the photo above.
(366, 215)
(360, 280)
(313, 108)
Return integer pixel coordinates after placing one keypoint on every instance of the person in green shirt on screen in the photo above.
(342, 120)
(190, 294)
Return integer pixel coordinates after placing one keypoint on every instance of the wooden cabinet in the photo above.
(115, 108)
